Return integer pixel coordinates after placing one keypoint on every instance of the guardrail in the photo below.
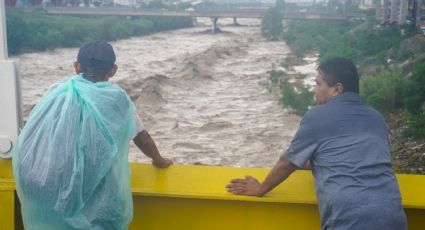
(198, 13)
(194, 197)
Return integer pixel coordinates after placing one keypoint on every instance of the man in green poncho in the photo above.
(71, 158)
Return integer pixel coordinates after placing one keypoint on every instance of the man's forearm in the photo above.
(280, 171)
(145, 143)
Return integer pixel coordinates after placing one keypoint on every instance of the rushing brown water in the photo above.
(200, 95)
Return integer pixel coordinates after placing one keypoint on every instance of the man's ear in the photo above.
(77, 67)
(338, 89)
(112, 72)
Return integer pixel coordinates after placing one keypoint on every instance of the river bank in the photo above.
(35, 30)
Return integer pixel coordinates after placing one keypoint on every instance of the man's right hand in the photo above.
(163, 163)
(251, 187)
(248, 186)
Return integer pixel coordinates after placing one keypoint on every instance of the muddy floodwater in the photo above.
(201, 96)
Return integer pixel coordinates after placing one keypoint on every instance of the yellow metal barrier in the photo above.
(7, 196)
(193, 197)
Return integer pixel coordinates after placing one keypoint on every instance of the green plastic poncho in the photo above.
(71, 158)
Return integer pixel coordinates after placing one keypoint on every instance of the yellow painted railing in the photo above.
(7, 196)
(194, 197)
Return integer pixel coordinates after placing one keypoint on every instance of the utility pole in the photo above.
(414, 12)
(418, 12)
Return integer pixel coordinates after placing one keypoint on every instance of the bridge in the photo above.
(213, 14)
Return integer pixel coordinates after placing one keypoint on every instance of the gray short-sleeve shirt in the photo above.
(139, 126)
(347, 145)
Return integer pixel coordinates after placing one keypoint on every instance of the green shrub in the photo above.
(385, 91)
(414, 96)
(342, 38)
(393, 91)
(18, 37)
(414, 101)
(37, 31)
(298, 98)
(271, 24)
(169, 23)
(415, 125)
(276, 75)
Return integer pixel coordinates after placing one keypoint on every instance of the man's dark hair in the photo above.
(96, 59)
(340, 70)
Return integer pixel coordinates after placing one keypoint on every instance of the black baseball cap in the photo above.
(97, 54)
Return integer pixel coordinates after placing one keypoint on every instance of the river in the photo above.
(202, 96)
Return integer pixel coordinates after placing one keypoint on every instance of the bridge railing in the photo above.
(251, 13)
(194, 197)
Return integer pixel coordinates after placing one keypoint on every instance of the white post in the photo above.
(10, 115)
(394, 10)
(3, 37)
(214, 24)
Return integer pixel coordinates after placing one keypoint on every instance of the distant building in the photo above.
(367, 4)
(393, 11)
(383, 11)
(10, 3)
(418, 15)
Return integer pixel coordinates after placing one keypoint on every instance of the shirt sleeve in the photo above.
(139, 126)
(303, 145)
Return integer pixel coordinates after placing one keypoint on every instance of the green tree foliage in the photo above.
(342, 38)
(415, 125)
(416, 95)
(271, 24)
(275, 76)
(156, 4)
(296, 97)
(16, 37)
(391, 92)
(313, 35)
(370, 43)
(169, 23)
(38, 31)
(385, 91)
(414, 103)
(280, 5)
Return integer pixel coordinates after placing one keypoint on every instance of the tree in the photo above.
(156, 4)
(280, 5)
(17, 35)
(271, 25)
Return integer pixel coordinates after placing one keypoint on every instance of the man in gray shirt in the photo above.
(346, 145)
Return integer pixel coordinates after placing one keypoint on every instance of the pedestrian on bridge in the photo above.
(71, 158)
(345, 143)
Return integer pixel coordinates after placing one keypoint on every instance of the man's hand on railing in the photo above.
(248, 186)
(163, 163)
(145, 143)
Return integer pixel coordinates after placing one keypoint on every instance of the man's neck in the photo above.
(94, 79)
